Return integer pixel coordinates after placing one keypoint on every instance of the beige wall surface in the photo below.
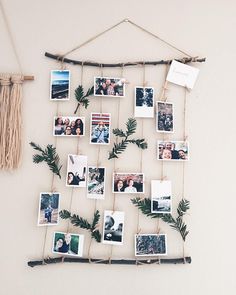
(201, 28)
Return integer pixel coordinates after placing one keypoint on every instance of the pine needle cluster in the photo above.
(78, 221)
(176, 223)
(81, 97)
(48, 155)
(120, 147)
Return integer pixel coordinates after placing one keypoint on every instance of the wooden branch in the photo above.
(182, 260)
(123, 64)
(28, 78)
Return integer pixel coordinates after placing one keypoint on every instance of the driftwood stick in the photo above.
(125, 64)
(49, 260)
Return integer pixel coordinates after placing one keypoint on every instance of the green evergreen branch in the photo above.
(81, 97)
(120, 147)
(78, 221)
(177, 224)
(49, 155)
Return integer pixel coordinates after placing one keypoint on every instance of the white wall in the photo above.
(204, 28)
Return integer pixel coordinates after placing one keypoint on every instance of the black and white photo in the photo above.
(96, 182)
(69, 126)
(76, 171)
(100, 126)
(113, 227)
(144, 107)
(48, 209)
(108, 86)
(128, 183)
(150, 244)
(164, 117)
(161, 196)
(60, 85)
(173, 150)
(68, 244)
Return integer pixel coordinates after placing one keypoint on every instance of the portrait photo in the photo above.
(164, 117)
(60, 85)
(150, 244)
(96, 182)
(69, 126)
(128, 183)
(107, 86)
(161, 196)
(100, 126)
(173, 150)
(68, 244)
(48, 209)
(76, 171)
(144, 107)
(113, 227)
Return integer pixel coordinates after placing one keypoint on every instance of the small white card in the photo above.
(182, 74)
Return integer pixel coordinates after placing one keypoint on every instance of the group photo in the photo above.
(164, 117)
(106, 86)
(69, 126)
(129, 183)
(100, 128)
(68, 244)
(173, 150)
(48, 209)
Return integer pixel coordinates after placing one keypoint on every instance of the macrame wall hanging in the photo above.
(10, 110)
(150, 245)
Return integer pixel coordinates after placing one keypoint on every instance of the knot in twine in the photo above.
(17, 79)
(5, 80)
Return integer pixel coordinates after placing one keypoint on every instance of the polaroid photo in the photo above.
(182, 74)
(113, 227)
(76, 171)
(100, 126)
(164, 117)
(173, 150)
(128, 183)
(60, 85)
(68, 244)
(48, 213)
(161, 196)
(96, 182)
(150, 244)
(69, 126)
(107, 86)
(144, 106)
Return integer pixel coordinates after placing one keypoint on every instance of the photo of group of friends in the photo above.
(173, 150)
(68, 244)
(144, 106)
(69, 126)
(48, 209)
(60, 85)
(164, 117)
(100, 128)
(150, 244)
(128, 183)
(107, 86)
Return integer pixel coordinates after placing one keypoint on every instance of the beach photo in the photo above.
(60, 85)
(161, 196)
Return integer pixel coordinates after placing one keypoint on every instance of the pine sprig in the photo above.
(120, 147)
(176, 223)
(78, 221)
(49, 155)
(81, 97)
